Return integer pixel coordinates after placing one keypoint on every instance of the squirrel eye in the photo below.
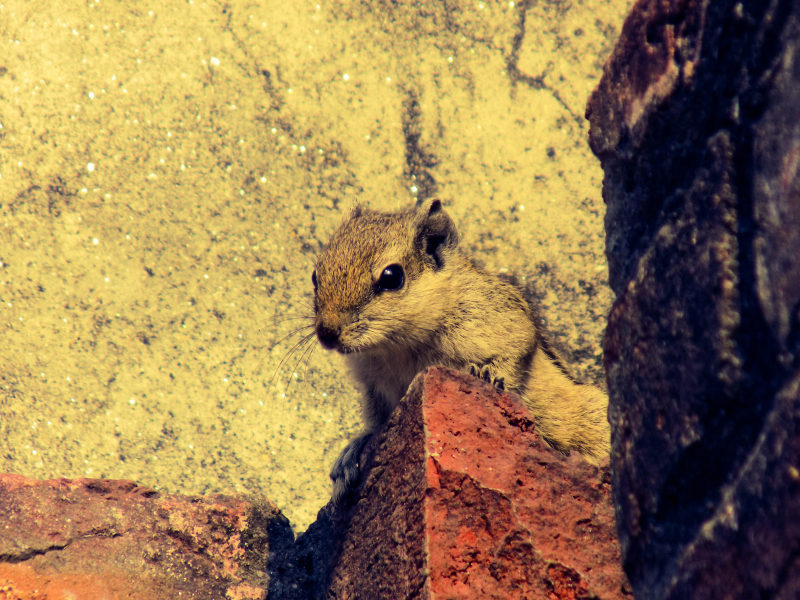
(314, 278)
(392, 278)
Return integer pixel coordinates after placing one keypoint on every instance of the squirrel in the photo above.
(394, 293)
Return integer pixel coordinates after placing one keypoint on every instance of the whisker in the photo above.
(304, 340)
(290, 334)
(304, 354)
(282, 320)
(308, 359)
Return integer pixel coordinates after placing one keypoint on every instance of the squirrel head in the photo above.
(373, 281)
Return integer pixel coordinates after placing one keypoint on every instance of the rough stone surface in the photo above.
(697, 124)
(88, 539)
(463, 500)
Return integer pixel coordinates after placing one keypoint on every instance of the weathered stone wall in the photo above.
(697, 124)
(168, 172)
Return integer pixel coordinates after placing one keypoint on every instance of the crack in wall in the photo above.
(511, 58)
(419, 161)
(534, 82)
(255, 68)
(29, 553)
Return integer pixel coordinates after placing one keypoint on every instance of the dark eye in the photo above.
(314, 279)
(392, 278)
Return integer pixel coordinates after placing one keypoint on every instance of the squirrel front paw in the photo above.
(346, 471)
(488, 373)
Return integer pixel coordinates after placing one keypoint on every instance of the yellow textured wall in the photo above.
(168, 172)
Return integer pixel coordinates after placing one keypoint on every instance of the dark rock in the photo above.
(697, 124)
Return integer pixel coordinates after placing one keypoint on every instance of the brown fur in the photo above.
(448, 312)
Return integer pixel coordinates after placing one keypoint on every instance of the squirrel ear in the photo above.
(358, 209)
(436, 231)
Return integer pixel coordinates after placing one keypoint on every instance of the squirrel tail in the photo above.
(568, 415)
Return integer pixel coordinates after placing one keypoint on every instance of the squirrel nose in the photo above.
(328, 336)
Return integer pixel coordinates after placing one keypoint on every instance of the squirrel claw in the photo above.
(487, 373)
(346, 471)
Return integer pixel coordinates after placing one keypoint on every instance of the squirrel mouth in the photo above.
(346, 349)
(335, 344)
(331, 339)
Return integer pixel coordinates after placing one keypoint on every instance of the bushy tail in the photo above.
(568, 415)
